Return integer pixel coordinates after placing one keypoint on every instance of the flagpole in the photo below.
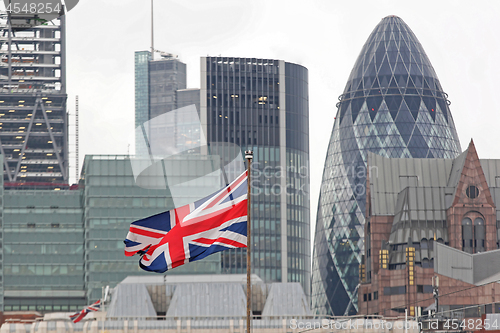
(249, 157)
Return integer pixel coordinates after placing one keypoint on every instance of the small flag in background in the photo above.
(191, 232)
(80, 315)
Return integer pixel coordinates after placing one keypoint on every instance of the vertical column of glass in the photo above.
(267, 186)
(297, 164)
(232, 261)
(242, 108)
(142, 59)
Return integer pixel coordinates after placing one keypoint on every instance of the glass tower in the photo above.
(156, 85)
(393, 105)
(262, 105)
(141, 59)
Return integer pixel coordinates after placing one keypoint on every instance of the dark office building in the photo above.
(262, 105)
(393, 105)
(156, 84)
(33, 118)
(160, 87)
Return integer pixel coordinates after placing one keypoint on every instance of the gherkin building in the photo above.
(393, 105)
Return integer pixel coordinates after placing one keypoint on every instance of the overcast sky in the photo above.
(461, 38)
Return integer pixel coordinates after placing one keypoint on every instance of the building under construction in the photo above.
(33, 118)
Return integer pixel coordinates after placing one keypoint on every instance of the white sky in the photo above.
(461, 38)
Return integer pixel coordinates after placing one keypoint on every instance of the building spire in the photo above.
(152, 33)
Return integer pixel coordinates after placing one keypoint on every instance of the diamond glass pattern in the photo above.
(393, 105)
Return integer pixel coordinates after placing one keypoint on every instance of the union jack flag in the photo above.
(191, 232)
(80, 315)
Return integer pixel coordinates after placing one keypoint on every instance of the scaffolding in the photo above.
(33, 116)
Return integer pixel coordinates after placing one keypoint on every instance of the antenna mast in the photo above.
(152, 33)
(76, 139)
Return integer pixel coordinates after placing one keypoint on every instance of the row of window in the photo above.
(51, 210)
(43, 270)
(43, 248)
(398, 290)
(250, 65)
(426, 263)
(46, 308)
(296, 262)
(46, 236)
(297, 229)
(130, 202)
(368, 297)
(296, 277)
(261, 101)
(298, 245)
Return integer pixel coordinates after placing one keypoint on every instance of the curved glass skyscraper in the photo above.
(393, 105)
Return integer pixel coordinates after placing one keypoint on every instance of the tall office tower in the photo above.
(262, 104)
(156, 84)
(33, 118)
(393, 105)
(166, 76)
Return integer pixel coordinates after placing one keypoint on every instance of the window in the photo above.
(423, 244)
(427, 289)
(424, 289)
(479, 235)
(375, 295)
(467, 235)
(472, 192)
(394, 290)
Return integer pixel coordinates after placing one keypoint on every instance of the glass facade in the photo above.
(393, 105)
(186, 97)
(43, 252)
(160, 87)
(166, 76)
(142, 59)
(62, 246)
(262, 105)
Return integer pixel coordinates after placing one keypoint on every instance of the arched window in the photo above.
(426, 263)
(479, 235)
(467, 235)
(423, 244)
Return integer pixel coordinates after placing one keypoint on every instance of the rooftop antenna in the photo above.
(77, 176)
(152, 34)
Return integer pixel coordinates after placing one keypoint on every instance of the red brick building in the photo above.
(426, 218)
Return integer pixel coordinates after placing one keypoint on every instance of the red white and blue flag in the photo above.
(79, 315)
(191, 232)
